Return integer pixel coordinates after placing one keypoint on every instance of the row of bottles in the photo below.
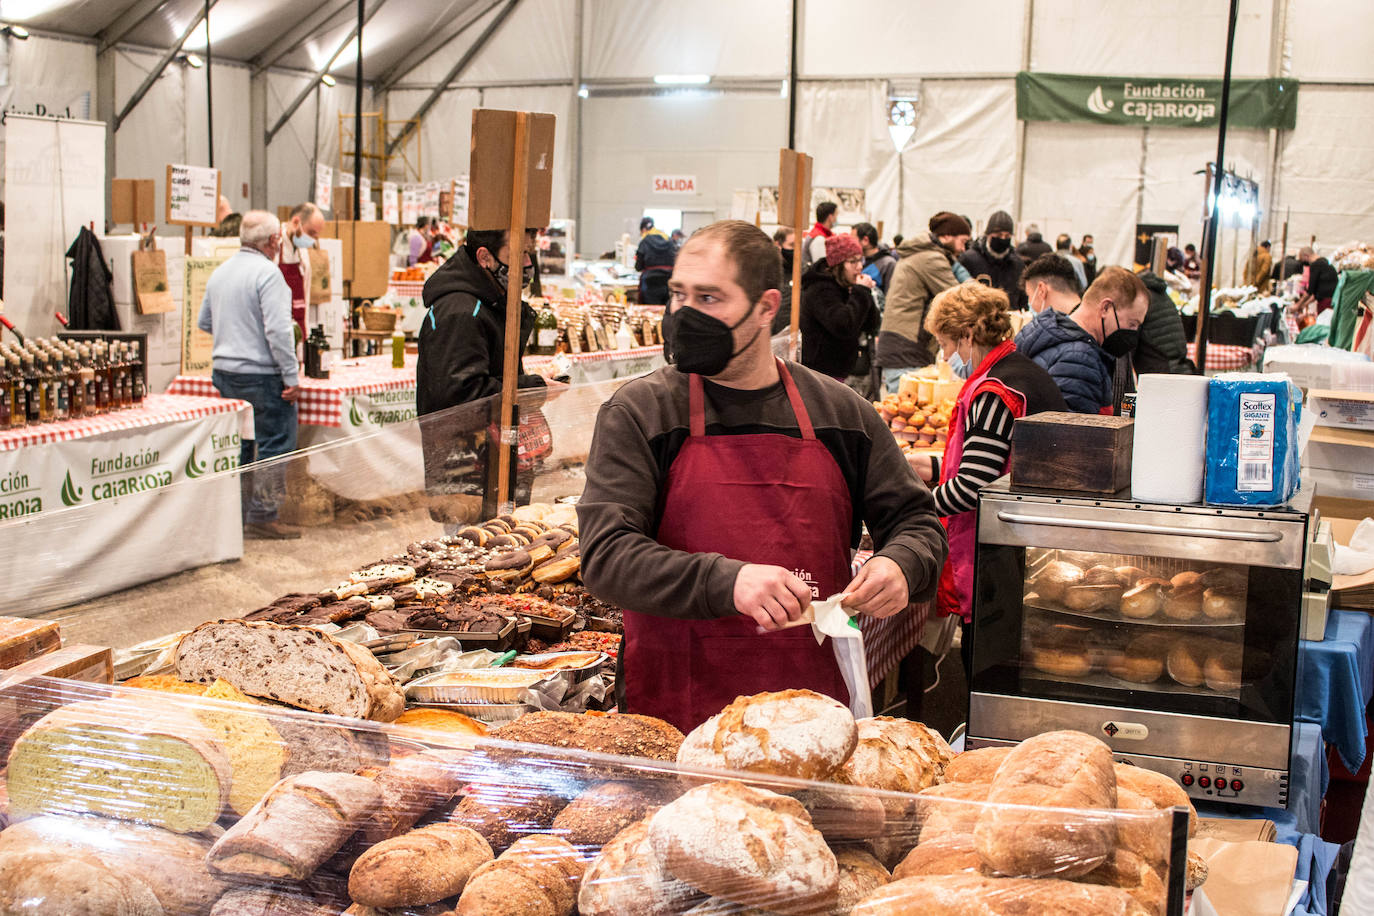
(46, 381)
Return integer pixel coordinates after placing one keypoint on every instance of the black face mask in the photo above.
(998, 245)
(1121, 341)
(787, 254)
(502, 273)
(699, 344)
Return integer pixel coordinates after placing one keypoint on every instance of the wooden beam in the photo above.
(435, 42)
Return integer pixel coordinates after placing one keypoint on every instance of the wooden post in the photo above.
(188, 241)
(794, 188)
(510, 380)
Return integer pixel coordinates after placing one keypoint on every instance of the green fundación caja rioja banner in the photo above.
(1159, 102)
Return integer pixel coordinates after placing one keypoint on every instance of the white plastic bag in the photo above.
(847, 641)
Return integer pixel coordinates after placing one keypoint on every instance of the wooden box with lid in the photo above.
(1083, 453)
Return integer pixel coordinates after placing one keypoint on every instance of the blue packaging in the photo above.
(1252, 439)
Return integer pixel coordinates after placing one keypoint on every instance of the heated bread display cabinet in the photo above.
(1170, 632)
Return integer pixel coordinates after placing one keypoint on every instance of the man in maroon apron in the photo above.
(298, 234)
(725, 493)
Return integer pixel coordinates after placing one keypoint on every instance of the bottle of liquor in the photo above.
(124, 376)
(33, 394)
(58, 386)
(76, 392)
(136, 373)
(90, 402)
(101, 363)
(545, 331)
(317, 353)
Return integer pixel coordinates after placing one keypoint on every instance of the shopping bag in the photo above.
(151, 292)
(847, 642)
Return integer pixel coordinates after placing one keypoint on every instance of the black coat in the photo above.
(1163, 345)
(1322, 278)
(832, 320)
(462, 339)
(1033, 247)
(1003, 273)
(91, 306)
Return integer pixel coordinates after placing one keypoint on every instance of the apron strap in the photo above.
(696, 404)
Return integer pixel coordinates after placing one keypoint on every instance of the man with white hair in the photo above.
(247, 310)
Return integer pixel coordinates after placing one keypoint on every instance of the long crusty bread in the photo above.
(294, 665)
(419, 867)
(974, 895)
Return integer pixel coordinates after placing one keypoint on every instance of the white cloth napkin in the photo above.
(1358, 556)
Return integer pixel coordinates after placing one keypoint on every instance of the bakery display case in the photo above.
(1170, 632)
(178, 805)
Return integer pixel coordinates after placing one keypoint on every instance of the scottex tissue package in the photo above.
(1252, 439)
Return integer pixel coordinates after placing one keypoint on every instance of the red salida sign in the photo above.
(675, 184)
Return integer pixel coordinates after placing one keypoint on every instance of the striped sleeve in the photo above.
(987, 445)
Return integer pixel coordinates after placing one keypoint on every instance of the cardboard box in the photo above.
(366, 256)
(133, 201)
(1337, 449)
(1344, 409)
(491, 169)
(75, 663)
(1346, 485)
(22, 639)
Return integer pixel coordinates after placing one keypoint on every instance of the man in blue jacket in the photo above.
(1080, 350)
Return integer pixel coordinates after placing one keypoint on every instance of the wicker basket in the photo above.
(376, 319)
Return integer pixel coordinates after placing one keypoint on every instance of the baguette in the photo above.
(294, 665)
(975, 895)
(419, 867)
(301, 822)
(1024, 830)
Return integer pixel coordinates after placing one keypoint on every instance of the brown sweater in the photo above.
(639, 432)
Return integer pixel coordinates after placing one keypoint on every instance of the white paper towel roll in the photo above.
(1168, 456)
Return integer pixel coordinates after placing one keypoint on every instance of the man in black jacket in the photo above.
(1034, 245)
(991, 260)
(654, 259)
(1321, 278)
(1163, 344)
(462, 346)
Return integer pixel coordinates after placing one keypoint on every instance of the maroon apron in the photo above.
(763, 498)
(295, 280)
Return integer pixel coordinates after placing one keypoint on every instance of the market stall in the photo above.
(164, 467)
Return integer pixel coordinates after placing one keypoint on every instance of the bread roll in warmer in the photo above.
(1188, 579)
(1130, 576)
(977, 766)
(1145, 600)
(299, 824)
(1093, 598)
(422, 866)
(1062, 660)
(1158, 789)
(797, 733)
(1226, 577)
(627, 877)
(539, 876)
(748, 845)
(1132, 874)
(975, 895)
(171, 865)
(1061, 769)
(1183, 602)
(1103, 575)
(1223, 668)
(1055, 579)
(897, 755)
(1141, 661)
(1186, 657)
(1223, 603)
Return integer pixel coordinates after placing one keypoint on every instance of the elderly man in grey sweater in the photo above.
(247, 310)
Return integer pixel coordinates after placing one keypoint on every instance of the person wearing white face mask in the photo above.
(299, 233)
(1050, 282)
(971, 325)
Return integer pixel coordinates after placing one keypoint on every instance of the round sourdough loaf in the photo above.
(897, 755)
(977, 766)
(797, 733)
(626, 877)
(747, 845)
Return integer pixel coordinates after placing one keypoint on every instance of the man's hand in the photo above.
(290, 394)
(770, 595)
(922, 465)
(879, 590)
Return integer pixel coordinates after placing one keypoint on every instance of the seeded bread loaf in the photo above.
(502, 812)
(419, 867)
(1053, 771)
(598, 814)
(300, 823)
(622, 735)
(143, 759)
(294, 665)
(270, 901)
(627, 877)
(748, 845)
(974, 895)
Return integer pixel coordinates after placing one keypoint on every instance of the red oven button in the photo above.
(1205, 782)
(1237, 785)
(1187, 779)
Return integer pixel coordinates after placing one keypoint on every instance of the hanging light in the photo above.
(194, 61)
(16, 31)
(329, 81)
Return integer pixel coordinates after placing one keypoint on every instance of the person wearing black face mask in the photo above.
(1081, 351)
(462, 352)
(724, 494)
(786, 242)
(992, 260)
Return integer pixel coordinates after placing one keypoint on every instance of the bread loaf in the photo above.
(1195, 873)
(945, 855)
(270, 901)
(976, 766)
(256, 751)
(896, 755)
(422, 866)
(627, 877)
(1158, 789)
(294, 665)
(504, 812)
(1058, 770)
(537, 875)
(842, 814)
(143, 759)
(316, 746)
(748, 845)
(622, 735)
(797, 733)
(410, 787)
(444, 720)
(1147, 837)
(1133, 875)
(46, 880)
(860, 875)
(301, 822)
(975, 895)
(698, 749)
(603, 810)
(951, 809)
(171, 865)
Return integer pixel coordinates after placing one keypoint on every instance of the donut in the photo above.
(1185, 661)
(508, 567)
(1090, 598)
(508, 520)
(505, 541)
(1223, 603)
(1222, 670)
(558, 569)
(527, 531)
(496, 526)
(474, 535)
(1141, 662)
(554, 537)
(1183, 603)
(539, 553)
(1145, 600)
(570, 544)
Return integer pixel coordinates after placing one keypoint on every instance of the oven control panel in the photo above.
(1218, 782)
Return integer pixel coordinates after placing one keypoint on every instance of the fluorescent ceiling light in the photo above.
(194, 61)
(668, 79)
(329, 81)
(17, 31)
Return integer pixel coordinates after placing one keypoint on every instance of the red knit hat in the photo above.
(841, 247)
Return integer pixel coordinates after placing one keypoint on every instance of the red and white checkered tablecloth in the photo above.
(322, 400)
(888, 641)
(1228, 356)
(538, 364)
(406, 289)
(157, 409)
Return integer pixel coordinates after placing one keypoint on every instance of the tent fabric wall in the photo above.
(54, 73)
(292, 153)
(233, 152)
(154, 133)
(1326, 173)
(630, 39)
(884, 40)
(535, 43)
(1329, 40)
